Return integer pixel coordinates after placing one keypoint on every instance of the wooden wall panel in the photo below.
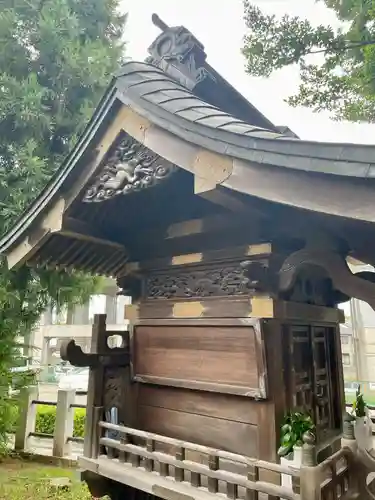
(230, 435)
(214, 405)
(225, 359)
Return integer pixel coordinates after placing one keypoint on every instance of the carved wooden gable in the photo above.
(128, 167)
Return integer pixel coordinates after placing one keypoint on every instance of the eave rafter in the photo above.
(60, 241)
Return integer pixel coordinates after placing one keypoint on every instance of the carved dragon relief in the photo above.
(360, 285)
(130, 167)
(222, 281)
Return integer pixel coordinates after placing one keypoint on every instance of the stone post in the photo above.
(348, 438)
(64, 423)
(310, 471)
(357, 468)
(27, 417)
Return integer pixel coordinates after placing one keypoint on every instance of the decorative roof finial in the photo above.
(178, 53)
(159, 23)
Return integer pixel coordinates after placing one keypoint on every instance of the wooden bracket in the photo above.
(360, 285)
(259, 277)
(73, 353)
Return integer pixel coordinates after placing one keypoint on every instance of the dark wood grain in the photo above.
(220, 406)
(219, 433)
(216, 355)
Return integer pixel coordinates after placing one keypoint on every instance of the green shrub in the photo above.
(79, 422)
(46, 418)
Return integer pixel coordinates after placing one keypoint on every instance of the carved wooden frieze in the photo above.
(227, 280)
(113, 385)
(130, 167)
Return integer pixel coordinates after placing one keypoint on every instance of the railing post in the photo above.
(310, 471)
(357, 470)
(27, 417)
(96, 434)
(348, 438)
(64, 423)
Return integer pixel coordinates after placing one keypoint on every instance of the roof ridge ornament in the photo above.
(177, 52)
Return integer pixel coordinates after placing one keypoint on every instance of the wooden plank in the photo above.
(172, 490)
(145, 247)
(241, 307)
(80, 230)
(249, 250)
(227, 435)
(236, 390)
(220, 355)
(214, 405)
(267, 445)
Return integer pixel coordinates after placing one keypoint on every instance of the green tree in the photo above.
(56, 59)
(337, 65)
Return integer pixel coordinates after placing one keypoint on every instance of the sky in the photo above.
(219, 25)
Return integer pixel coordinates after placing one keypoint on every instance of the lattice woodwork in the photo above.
(337, 476)
(324, 420)
(311, 375)
(301, 369)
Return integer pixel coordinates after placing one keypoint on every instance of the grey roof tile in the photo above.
(149, 86)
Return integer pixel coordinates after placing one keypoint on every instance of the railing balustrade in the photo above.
(62, 437)
(169, 457)
(340, 477)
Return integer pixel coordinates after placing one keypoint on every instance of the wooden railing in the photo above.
(210, 473)
(336, 472)
(62, 437)
(342, 476)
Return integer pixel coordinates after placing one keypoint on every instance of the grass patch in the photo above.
(22, 480)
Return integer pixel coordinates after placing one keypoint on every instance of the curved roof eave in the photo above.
(59, 178)
(174, 108)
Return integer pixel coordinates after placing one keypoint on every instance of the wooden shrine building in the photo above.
(232, 236)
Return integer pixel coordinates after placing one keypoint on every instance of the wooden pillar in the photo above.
(96, 378)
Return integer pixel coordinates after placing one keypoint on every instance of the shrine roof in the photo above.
(173, 107)
(176, 117)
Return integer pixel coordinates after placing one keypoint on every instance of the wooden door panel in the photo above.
(322, 380)
(311, 375)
